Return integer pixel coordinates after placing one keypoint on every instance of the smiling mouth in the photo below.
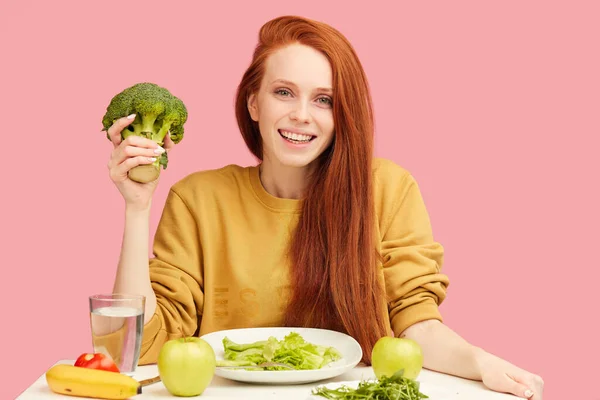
(295, 137)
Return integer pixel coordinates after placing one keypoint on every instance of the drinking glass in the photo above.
(117, 322)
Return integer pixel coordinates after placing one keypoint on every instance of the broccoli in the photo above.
(157, 111)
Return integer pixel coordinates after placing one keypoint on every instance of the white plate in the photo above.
(346, 345)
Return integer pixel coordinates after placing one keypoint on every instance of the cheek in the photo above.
(263, 127)
(326, 123)
(271, 108)
(264, 117)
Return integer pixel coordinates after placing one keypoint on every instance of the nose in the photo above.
(300, 112)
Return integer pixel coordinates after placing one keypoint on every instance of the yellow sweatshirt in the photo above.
(219, 255)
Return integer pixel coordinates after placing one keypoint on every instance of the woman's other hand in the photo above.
(501, 376)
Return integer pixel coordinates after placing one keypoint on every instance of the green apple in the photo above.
(186, 366)
(391, 354)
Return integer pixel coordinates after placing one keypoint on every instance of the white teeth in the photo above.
(295, 136)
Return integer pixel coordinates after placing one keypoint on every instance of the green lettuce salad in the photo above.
(293, 350)
(395, 387)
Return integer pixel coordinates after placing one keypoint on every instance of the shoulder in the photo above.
(390, 176)
(392, 183)
(222, 181)
(228, 173)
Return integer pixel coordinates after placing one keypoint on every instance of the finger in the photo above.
(519, 389)
(538, 392)
(168, 142)
(533, 383)
(125, 151)
(121, 170)
(139, 141)
(506, 384)
(114, 131)
(524, 391)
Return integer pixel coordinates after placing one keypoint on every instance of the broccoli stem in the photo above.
(145, 173)
(160, 136)
(148, 125)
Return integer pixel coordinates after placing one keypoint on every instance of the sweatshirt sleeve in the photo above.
(412, 261)
(176, 275)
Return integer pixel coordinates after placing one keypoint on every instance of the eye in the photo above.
(325, 100)
(282, 92)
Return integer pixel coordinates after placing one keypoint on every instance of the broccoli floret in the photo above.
(157, 111)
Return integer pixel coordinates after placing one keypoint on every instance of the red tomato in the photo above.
(96, 361)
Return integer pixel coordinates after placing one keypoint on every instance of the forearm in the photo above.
(444, 350)
(133, 275)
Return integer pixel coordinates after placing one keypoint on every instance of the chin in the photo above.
(297, 160)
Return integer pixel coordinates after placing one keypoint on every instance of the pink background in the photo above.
(493, 107)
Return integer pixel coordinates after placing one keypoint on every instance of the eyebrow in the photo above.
(290, 83)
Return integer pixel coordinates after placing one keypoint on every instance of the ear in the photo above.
(252, 107)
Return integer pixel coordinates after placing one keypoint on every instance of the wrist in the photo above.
(138, 209)
(480, 358)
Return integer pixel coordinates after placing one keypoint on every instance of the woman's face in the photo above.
(293, 106)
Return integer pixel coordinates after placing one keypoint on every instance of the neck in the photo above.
(283, 181)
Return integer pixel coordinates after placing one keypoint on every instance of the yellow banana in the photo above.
(86, 382)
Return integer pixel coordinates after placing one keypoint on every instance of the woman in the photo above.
(319, 234)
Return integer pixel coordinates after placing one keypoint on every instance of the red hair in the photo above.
(334, 276)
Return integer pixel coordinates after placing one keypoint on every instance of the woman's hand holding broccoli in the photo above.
(138, 121)
(127, 154)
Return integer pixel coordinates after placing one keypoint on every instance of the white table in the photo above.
(437, 386)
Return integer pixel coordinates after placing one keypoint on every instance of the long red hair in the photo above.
(334, 276)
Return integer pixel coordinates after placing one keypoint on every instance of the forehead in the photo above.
(300, 64)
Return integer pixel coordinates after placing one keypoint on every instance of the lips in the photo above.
(296, 137)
